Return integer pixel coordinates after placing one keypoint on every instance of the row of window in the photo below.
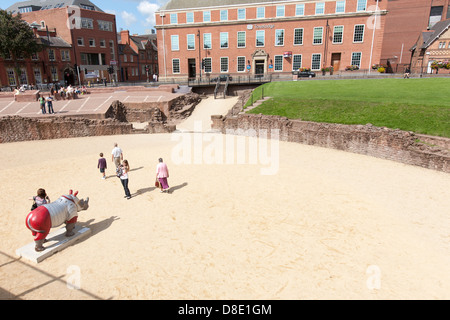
(316, 63)
(318, 36)
(87, 23)
(261, 12)
(23, 77)
(443, 45)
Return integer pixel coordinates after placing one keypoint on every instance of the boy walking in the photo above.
(102, 165)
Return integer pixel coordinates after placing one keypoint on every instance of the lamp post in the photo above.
(199, 55)
(373, 36)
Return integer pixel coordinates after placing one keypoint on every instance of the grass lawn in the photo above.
(418, 105)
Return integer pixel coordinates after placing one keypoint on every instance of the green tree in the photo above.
(17, 39)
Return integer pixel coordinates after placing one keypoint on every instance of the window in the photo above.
(260, 12)
(131, 58)
(338, 33)
(105, 25)
(189, 17)
(175, 44)
(224, 40)
(260, 38)
(65, 55)
(278, 63)
(320, 7)
(280, 11)
(208, 65)
(299, 9)
(240, 64)
(51, 55)
(102, 43)
(25, 9)
(298, 36)
(241, 39)
(34, 56)
(191, 41)
(224, 64)
(356, 59)
(23, 76)
(175, 65)
(173, 18)
(317, 35)
(279, 37)
(80, 41)
(37, 75)
(87, 23)
(358, 35)
(316, 61)
(340, 6)
(207, 41)
(54, 72)
(361, 5)
(206, 16)
(111, 46)
(11, 77)
(91, 42)
(296, 62)
(124, 58)
(441, 45)
(87, 7)
(241, 14)
(223, 15)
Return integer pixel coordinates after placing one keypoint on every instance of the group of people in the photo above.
(69, 91)
(123, 169)
(43, 101)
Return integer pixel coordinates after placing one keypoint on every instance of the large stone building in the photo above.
(90, 33)
(262, 37)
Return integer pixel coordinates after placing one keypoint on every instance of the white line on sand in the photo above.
(84, 103)
(160, 97)
(96, 109)
(9, 104)
(18, 111)
(65, 106)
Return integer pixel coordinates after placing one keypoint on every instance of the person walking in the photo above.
(50, 105)
(116, 155)
(162, 173)
(102, 165)
(125, 168)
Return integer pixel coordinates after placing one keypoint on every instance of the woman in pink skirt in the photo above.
(162, 173)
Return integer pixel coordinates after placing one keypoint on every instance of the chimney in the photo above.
(124, 37)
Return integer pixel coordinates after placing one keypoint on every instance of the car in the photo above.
(306, 74)
(222, 77)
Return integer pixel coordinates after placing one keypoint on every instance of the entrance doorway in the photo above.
(192, 68)
(259, 68)
(69, 77)
(336, 61)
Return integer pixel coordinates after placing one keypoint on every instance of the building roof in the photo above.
(190, 4)
(37, 5)
(54, 42)
(439, 28)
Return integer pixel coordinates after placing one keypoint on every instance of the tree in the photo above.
(17, 39)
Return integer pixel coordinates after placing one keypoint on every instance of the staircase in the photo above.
(221, 89)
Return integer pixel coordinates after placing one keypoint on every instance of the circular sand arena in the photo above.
(322, 224)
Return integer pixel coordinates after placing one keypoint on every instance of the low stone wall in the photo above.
(14, 129)
(396, 145)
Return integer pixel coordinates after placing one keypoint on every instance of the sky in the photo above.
(138, 16)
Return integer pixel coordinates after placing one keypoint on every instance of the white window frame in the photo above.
(207, 13)
(241, 14)
(281, 9)
(360, 59)
(222, 59)
(293, 61)
(189, 14)
(264, 38)
(237, 63)
(342, 36)
(93, 42)
(210, 64)
(224, 15)
(173, 18)
(363, 31)
(340, 5)
(174, 42)
(276, 68)
(245, 39)
(312, 61)
(314, 35)
(224, 34)
(300, 9)
(303, 31)
(205, 35)
(276, 38)
(258, 12)
(173, 66)
(188, 42)
(320, 6)
(82, 41)
(361, 5)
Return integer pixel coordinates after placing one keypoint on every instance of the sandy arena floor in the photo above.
(327, 225)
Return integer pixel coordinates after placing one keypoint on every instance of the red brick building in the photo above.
(405, 22)
(90, 32)
(138, 56)
(263, 37)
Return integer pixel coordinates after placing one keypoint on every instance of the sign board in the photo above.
(270, 66)
(113, 62)
(249, 67)
(287, 54)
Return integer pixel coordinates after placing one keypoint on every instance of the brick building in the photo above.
(267, 37)
(405, 21)
(431, 53)
(90, 32)
(138, 56)
(53, 64)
